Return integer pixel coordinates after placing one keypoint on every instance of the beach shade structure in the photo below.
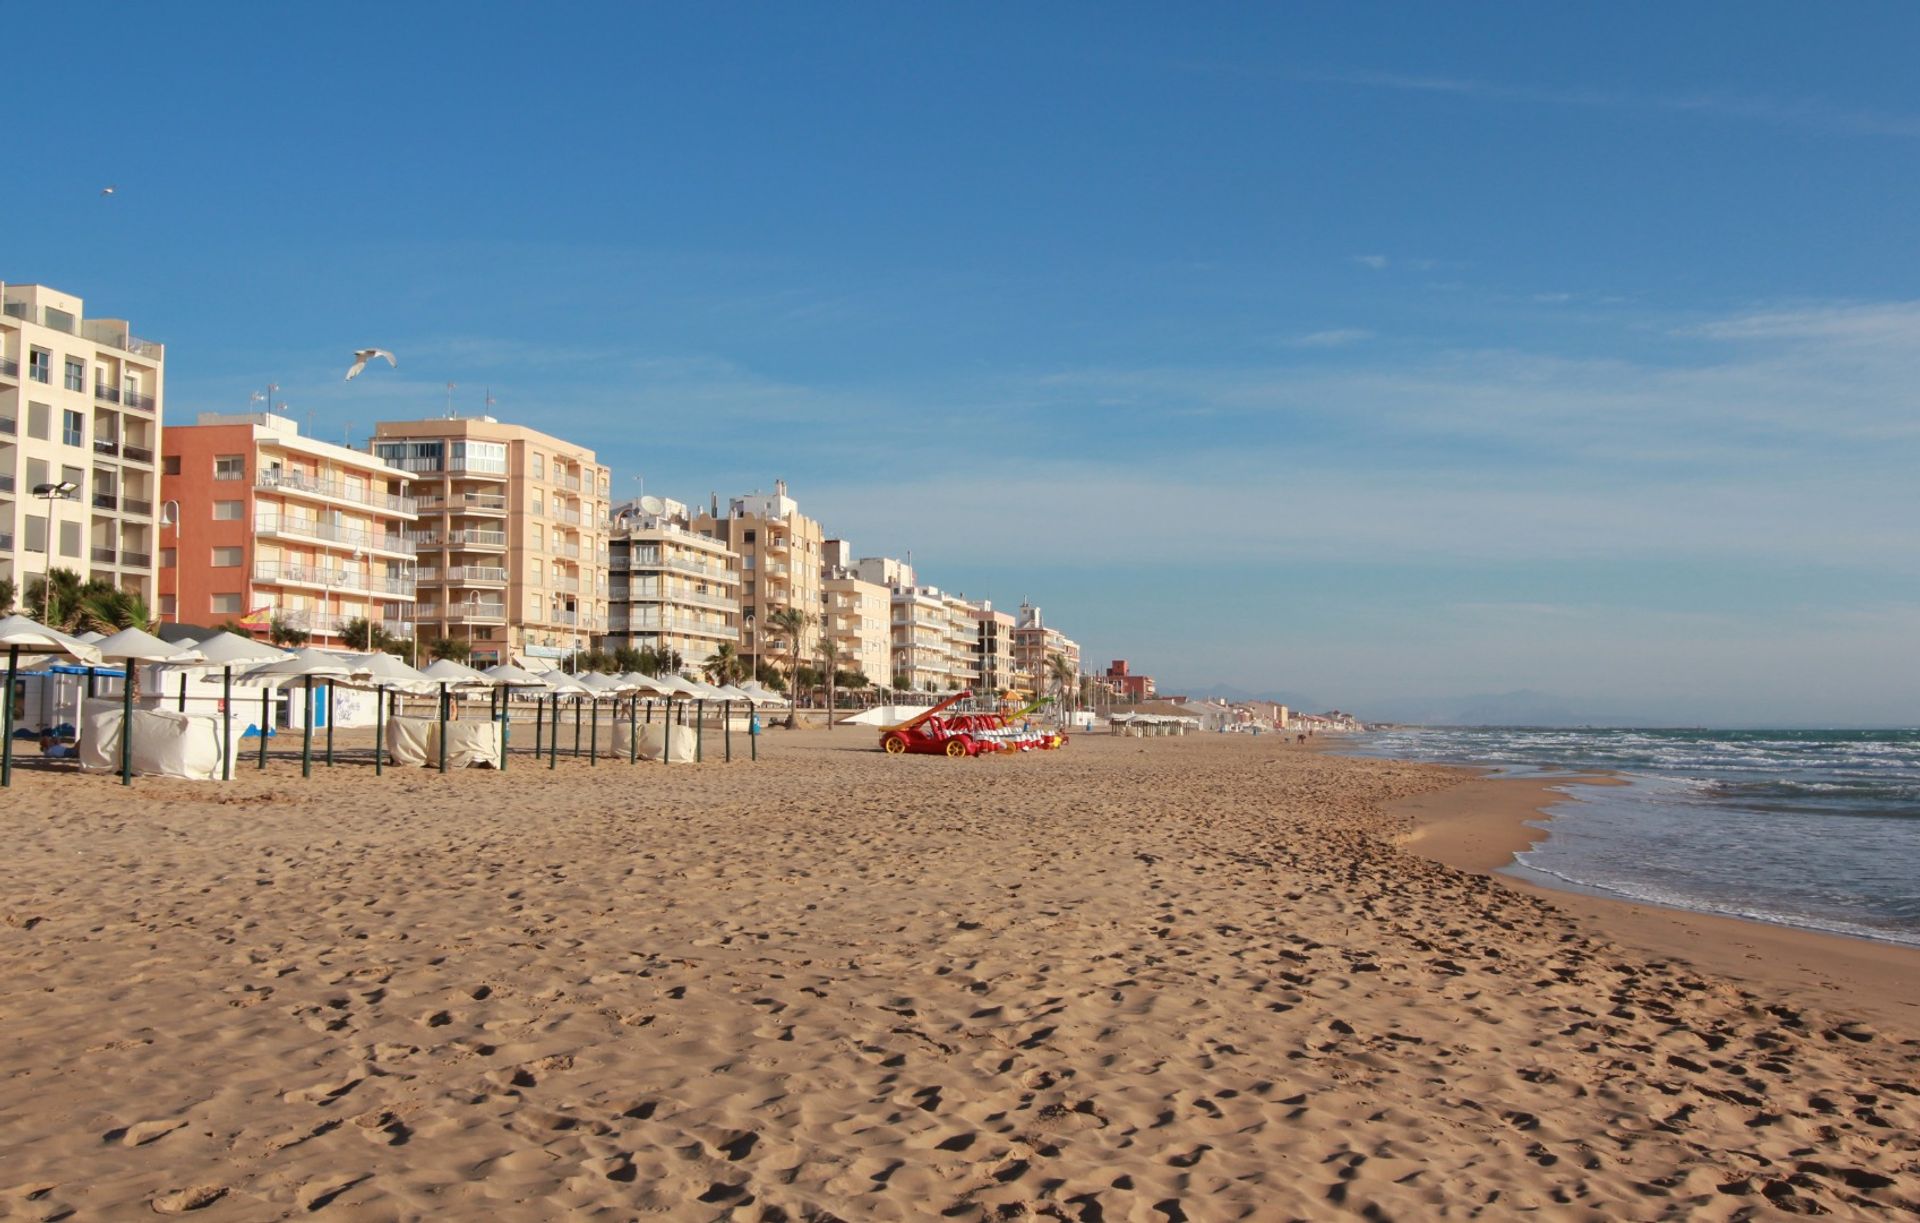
(450, 675)
(510, 677)
(560, 684)
(384, 673)
(761, 694)
(604, 687)
(130, 646)
(228, 651)
(305, 666)
(23, 636)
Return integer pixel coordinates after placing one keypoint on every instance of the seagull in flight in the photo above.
(109, 189)
(363, 355)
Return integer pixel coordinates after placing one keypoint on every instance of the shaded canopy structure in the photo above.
(130, 646)
(23, 636)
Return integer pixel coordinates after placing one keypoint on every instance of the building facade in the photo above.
(512, 535)
(267, 526)
(780, 552)
(858, 616)
(1034, 644)
(1126, 685)
(80, 419)
(923, 640)
(672, 587)
(993, 651)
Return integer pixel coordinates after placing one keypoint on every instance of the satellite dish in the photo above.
(652, 505)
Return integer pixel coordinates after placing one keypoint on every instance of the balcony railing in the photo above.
(105, 393)
(6, 481)
(105, 501)
(565, 515)
(477, 539)
(570, 551)
(331, 577)
(9, 426)
(638, 621)
(9, 368)
(136, 506)
(468, 575)
(352, 537)
(134, 399)
(287, 481)
(463, 613)
(102, 445)
(139, 454)
(104, 556)
(136, 560)
(570, 483)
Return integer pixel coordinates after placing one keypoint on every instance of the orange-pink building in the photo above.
(263, 525)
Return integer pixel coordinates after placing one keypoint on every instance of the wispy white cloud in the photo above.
(1810, 114)
(1338, 337)
(1377, 263)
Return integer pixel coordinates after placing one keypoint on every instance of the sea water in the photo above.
(1814, 829)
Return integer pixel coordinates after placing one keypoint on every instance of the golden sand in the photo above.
(1195, 978)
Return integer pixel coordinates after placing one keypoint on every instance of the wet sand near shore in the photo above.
(1193, 978)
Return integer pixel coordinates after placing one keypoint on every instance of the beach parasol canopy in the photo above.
(233, 650)
(23, 636)
(138, 645)
(383, 670)
(647, 683)
(566, 685)
(761, 694)
(303, 664)
(510, 676)
(602, 685)
(457, 674)
(730, 693)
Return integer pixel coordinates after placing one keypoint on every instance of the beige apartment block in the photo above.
(672, 586)
(80, 404)
(858, 615)
(780, 552)
(1034, 642)
(923, 641)
(265, 526)
(963, 637)
(993, 650)
(512, 535)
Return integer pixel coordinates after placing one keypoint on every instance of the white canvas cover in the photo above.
(653, 739)
(165, 743)
(407, 740)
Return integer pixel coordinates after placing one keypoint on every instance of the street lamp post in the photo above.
(58, 490)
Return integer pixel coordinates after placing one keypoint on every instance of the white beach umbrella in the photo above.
(305, 666)
(227, 651)
(129, 646)
(510, 676)
(23, 636)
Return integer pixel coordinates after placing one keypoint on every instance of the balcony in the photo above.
(570, 483)
(105, 393)
(136, 506)
(103, 445)
(9, 368)
(9, 426)
(570, 551)
(6, 481)
(105, 501)
(104, 556)
(464, 613)
(477, 503)
(477, 539)
(138, 454)
(136, 560)
(281, 525)
(650, 620)
(330, 577)
(134, 399)
(471, 575)
(333, 490)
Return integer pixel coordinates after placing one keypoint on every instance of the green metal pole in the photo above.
(226, 717)
(266, 717)
(443, 727)
(126, 721)
(593, 753)
(553, 740)
(633, 729)
(6, 748)
(578, 714)
(753, 731)
(506, 720)
(699, 729)
(306, 734)
(379, 728)
(666, 731)
(331, 685)
(183, 692)
(726, 720)
(539, 716)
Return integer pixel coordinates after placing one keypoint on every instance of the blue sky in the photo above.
(1383, 354)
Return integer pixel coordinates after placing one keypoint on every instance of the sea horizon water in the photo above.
(1818, 830)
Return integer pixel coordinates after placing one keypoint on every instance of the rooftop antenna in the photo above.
(450, 387)
(346, 436)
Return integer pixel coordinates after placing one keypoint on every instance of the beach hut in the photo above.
(23, 636)
(227, 651)
(449, 676)
(306, 666)
(130, 646)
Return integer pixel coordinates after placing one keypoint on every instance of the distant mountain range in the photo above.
(1231, 694)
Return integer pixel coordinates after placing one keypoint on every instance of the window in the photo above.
(76, 375)
(73, 428)
(38, 414)
(36, 533)
(227, 511)
(40, 365)
(534, 567)
(170, 465)
(36, 473)
(226, 605)
(539, 538)
(230, 467)
(169, 558)
(539, 466)
(539, 504)
(226, 558)
(168, 607)
(70, 540)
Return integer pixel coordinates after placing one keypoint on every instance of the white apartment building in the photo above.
(672, 586)
(858, 617)
(80, 418)
(923, 640)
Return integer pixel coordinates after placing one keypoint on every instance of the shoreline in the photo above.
(1480, 823)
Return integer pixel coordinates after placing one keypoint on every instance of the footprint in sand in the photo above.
(180, 1201)
(141, 1133)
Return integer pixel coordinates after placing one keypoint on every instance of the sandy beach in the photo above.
(1203, 978)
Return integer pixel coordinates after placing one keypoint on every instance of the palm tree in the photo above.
(792, 624)
(66, 587)
(6, 595)
(724, 665)
(1065, 677)
(450, 647)
(830, 661)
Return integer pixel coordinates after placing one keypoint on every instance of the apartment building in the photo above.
(993, 650)
(780, 552)
(80, 416)
(858, 616)
(512, 535)
(963, 636)
(672, 587)
(923, 641)
(266, 526)
(1034, 642)
(1127, 685)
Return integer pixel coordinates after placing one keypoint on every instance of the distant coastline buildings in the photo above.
(459, 534)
